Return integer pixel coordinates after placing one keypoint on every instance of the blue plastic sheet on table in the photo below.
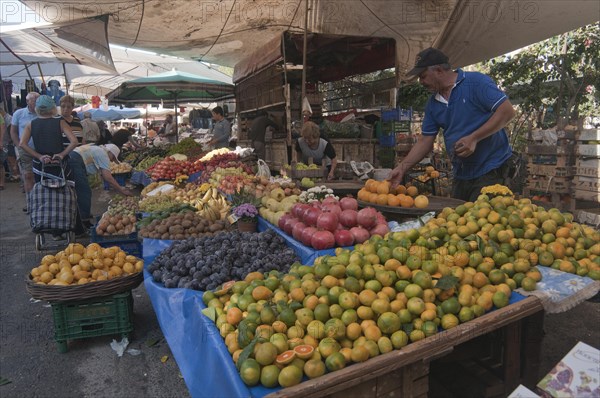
(153, 247)
(307, 255)
(194, 176)
(198, 348)
(140, 178)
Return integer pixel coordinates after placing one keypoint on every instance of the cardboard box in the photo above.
(577, 375)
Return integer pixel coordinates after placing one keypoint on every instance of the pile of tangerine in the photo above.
(381, 193)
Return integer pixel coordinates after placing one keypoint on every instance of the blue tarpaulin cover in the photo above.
(140, 178)
(194, 340)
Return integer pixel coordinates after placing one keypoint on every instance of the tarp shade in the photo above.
(172, 86)
(266, 55)
(329, 57)
(87, 81)
(229, 31)
(81, 42)
(112, 114)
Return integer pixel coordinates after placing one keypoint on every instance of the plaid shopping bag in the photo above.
(52, 208)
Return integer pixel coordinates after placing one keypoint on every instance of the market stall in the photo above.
(270, 80)
(344, 300)
(195, 342)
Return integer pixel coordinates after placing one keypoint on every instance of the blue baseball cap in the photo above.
(45, 103)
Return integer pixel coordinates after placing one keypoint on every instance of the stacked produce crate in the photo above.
(110, 315)
(550, 168)
(393, 132)
(586, 183)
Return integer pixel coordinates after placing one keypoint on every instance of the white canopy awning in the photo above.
(87, 81)
(69, 48)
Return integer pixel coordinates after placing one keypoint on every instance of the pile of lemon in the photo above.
(78, 265)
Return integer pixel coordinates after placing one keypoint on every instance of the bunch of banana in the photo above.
(204, 187)
(181, 178)
(212, 205)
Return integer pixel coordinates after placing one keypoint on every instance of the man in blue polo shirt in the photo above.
(471, 111)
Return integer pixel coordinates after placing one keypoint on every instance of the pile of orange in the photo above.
(382, 193)
(391, 291)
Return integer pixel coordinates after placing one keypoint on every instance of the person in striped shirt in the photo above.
(67, 103)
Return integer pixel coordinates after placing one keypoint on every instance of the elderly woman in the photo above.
(47, 134)
(311, 145)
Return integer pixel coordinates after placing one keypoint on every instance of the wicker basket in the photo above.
(86, 291)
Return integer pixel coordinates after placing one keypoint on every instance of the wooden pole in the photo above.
(66, 78)
(304, 49)
(41, 73)
(176, 122)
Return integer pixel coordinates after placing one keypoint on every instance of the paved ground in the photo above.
(31, 362)
(29, 355)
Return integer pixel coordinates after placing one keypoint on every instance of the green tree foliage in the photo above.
(412, 94)
(560, 74)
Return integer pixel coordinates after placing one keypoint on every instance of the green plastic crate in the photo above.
(90, 318)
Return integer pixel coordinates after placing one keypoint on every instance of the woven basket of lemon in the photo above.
(79, 272)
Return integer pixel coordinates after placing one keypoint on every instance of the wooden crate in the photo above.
(539, 135)
(555, 160)
(276, 154)
(296, 174)
(587, 167)
(402, 373)
(549, 170)
(587, 195)
(538, 149)
(588, 216)
(586, 184)
(550, 184)
(589, 135)
(588, 150)
(555, 199)
(338, 146)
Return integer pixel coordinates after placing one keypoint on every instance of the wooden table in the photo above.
(344, 188)
(396, 213)
(514, 333)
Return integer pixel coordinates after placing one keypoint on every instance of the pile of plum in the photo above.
(205, 263)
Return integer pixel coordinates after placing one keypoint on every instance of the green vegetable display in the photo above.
(147, 162)
(184, 146)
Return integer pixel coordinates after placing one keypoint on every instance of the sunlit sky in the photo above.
(16, 15)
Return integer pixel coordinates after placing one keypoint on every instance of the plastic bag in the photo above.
(263, 169)
(306, 108)
(414, 224)
(361, 169)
